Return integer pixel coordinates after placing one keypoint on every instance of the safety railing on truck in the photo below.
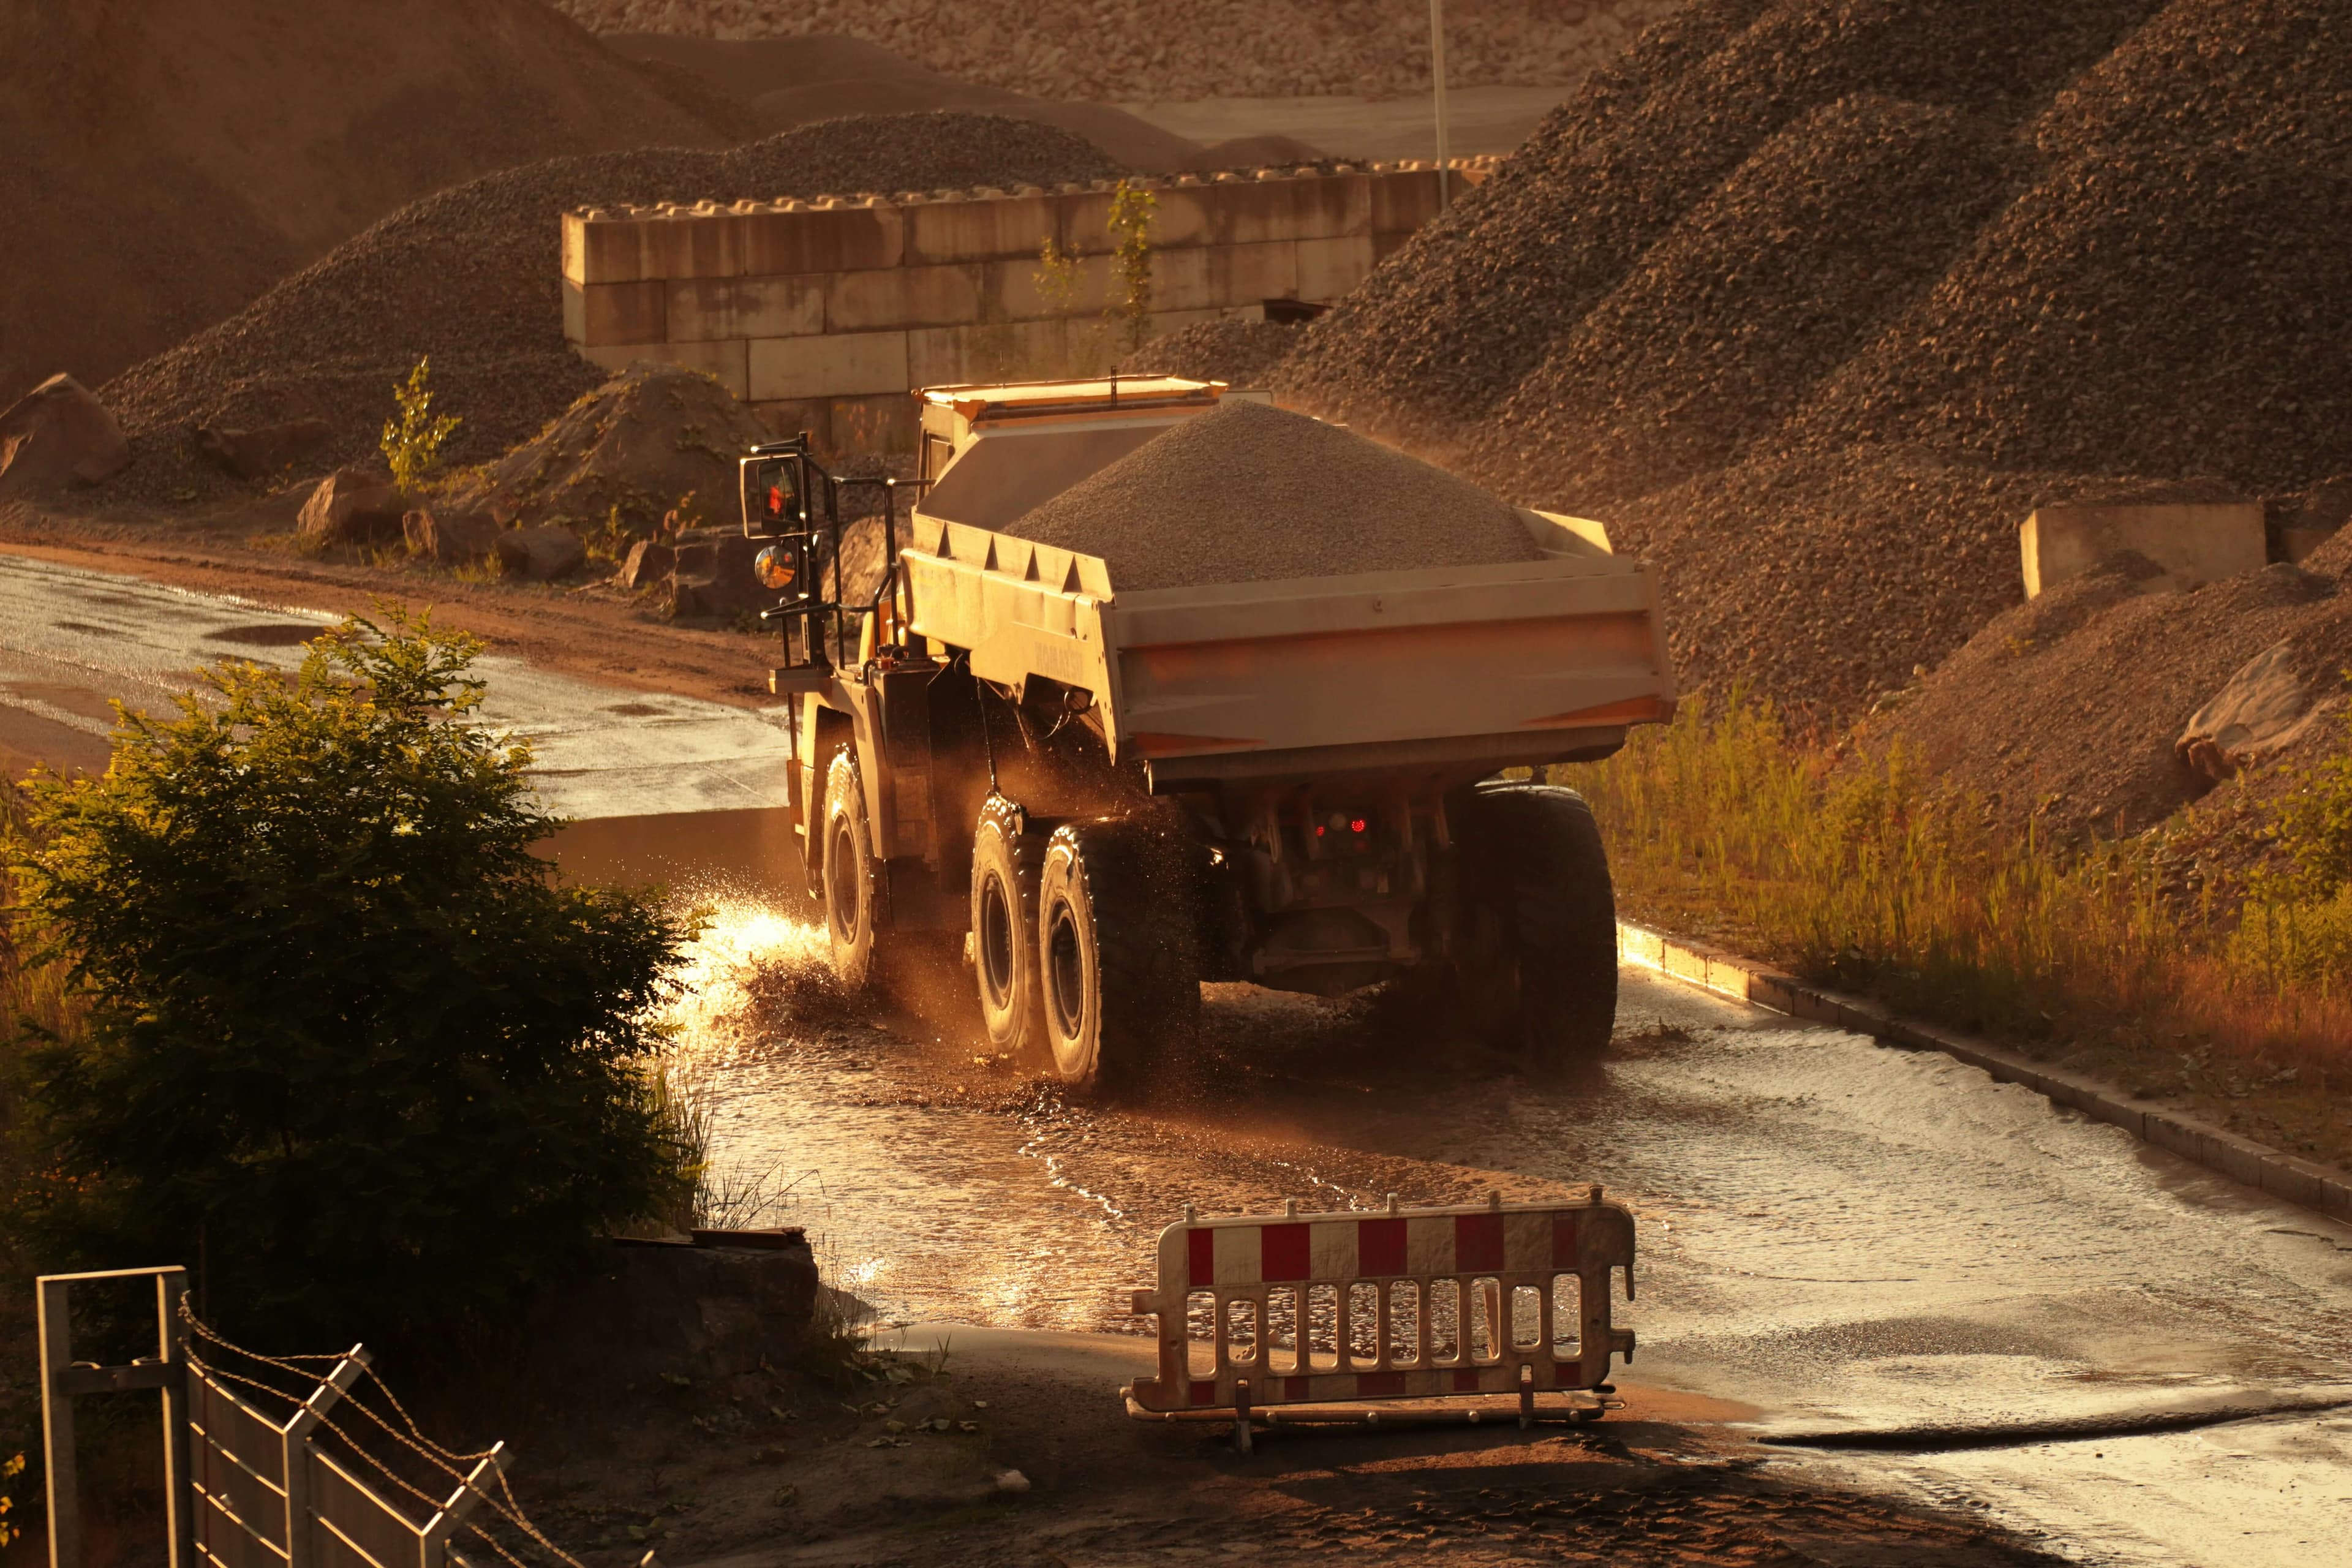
(805, 515)
(1268, 1318)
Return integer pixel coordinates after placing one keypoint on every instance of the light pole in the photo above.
(1437, 79)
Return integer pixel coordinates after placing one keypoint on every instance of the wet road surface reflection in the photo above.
(1871, 1245)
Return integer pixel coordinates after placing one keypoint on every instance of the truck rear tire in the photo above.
(853, 881)
(1004, 869)
(1118, 950)
(1538, 969)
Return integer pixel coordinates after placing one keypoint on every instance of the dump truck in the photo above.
(1100, 797)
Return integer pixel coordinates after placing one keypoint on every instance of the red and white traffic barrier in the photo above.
(1429, 1303)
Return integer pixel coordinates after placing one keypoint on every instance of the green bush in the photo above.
(349, 1049)
(411, 442)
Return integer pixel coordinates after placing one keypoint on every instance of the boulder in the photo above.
(353, 507)
(261, 452)
(713, 574)
(2266, 707)
(55, 437)
(539, 553)
(649, 561)
(449, 538)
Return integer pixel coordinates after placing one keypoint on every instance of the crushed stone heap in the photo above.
(1814, 300)
(1249, 492)
(652, 438)
(1178, 50)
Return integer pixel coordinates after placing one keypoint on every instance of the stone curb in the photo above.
(2297, 1181)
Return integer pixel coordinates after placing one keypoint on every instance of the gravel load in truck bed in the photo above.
(1813, 300)
(1249, 492)
(472, 277)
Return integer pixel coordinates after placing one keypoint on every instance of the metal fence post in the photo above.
(58, 1426)
(299, 1427)
(172, 1347)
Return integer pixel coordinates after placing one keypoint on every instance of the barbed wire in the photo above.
(448, 1461)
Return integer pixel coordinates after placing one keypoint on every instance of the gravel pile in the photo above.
(650, 439)
(2072, 750)
(471, 277)
(1249, 492)
(1178, 49)
(1240, 354)
(1815, 301)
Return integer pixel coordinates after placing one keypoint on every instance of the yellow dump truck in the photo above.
(1103, 795)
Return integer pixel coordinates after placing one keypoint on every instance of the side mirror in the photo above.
(783, 568)
(771, 496)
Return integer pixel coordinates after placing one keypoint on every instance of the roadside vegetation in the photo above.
(296, 1004)
(1859, 871)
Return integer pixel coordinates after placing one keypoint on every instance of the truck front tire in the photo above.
(1004, 869)
(1537, 963)
(852, 875)
(1117, 948)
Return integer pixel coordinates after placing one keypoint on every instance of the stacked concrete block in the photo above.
(823, 314)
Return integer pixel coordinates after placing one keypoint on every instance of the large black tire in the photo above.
(1119, 949)
(1005, 859)
(853, 877)
(1536, 947)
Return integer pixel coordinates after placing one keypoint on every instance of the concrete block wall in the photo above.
(823, 314)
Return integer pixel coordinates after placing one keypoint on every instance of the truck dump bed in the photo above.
(1457, 671)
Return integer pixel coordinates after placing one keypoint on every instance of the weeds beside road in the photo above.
(1860, 872)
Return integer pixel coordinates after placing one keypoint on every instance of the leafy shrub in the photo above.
(349, 1049)
(411, 442)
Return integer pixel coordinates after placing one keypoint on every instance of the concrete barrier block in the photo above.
(1253, 274)
(1328, 268)
(883, 297)
(983, 229)
(810, 416)
(605, 313)
(724, 362)
(822, 239)
(1015, 294)
(1005, 350)
(708, 310)
(691, 245)
(1313, 207)
(1402, 200)
(601, 250)
(833, 365)
(1183, 280)
(2195, 545)
(885, 423)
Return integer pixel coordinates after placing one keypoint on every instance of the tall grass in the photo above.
(1864, 873)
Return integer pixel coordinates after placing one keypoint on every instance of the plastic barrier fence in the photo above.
(1425, 1303)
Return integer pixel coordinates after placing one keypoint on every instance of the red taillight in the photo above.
(1318, 830)
(1357, 825)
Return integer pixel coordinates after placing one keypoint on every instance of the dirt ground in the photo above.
(589, 628)
(791, 1470)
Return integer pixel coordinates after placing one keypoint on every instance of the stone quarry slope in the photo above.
(1815, 301)
(165, 164)
(1180, 49)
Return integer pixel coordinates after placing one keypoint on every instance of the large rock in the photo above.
(259, 452)
(55, 437)
(731, 1304)
(2267, 706)
(713, 574)
(353, 507)
(448, 538)
(539, 553)
(649, 561)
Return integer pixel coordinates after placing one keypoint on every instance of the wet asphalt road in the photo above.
(1859, 1244)
(1865, 1246)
